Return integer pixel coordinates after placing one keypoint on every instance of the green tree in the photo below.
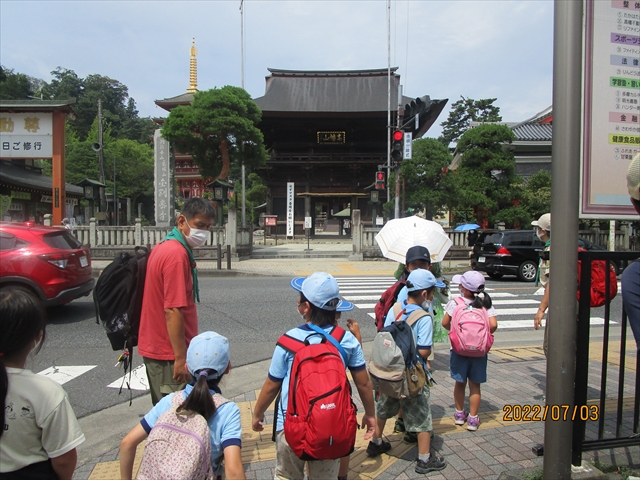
(217, 128)
(536, 197)
(485, 178)
(427, 184)
(465, 111)
(133, 166)
(14, 86)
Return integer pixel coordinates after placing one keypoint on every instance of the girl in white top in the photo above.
(471, 369)
(41, 432)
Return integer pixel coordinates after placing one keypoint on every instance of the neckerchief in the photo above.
(176, 235)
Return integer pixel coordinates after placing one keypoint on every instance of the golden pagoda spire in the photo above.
(193, 68)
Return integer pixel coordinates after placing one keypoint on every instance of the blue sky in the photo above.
(444, 49)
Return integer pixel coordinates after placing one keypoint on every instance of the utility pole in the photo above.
(399, 125)
(115, 195)
(103, 195)
(388, 94)
(244, 215)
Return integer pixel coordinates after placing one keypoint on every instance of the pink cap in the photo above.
(471, 280)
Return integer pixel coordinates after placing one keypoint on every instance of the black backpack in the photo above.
(117, 297)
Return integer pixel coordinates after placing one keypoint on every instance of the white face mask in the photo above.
(196, 238)
(539, 235)
(426, 306)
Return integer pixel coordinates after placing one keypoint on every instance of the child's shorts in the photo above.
(416, 411)
(472, 368)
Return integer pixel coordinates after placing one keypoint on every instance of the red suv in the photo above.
(46, 262)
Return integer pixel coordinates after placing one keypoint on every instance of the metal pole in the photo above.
(115, 195)
(398, 124)
(388, 96)
(103, 195)
(244, 218)
(565, 172)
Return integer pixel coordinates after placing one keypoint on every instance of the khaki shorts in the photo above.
(290, 467)
(416, 411)
(160, 375)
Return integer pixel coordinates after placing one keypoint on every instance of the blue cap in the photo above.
(422, 279)
(343, 305)
(208, 350)
(319, 288)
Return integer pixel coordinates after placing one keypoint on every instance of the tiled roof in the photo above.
(533, 132)
(21, 177)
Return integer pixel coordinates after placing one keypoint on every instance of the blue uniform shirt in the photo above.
(423, 328)
(282, 361)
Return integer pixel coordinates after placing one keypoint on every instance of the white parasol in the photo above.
(400, 234)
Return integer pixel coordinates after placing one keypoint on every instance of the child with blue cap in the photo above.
(318, 304)
(208, 362)
(421, 286)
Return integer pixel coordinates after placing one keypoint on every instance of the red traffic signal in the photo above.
(380, 180)
(397, 145)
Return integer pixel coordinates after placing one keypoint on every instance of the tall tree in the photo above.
(14, 86)
(217, 128)
(486, 179)
(463, 112)
(428, 186)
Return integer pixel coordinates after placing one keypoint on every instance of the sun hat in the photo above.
(544, 222)
(319, 288)
(471, 280)
(633, 177)
(208, 350)
(417, 252)
(343, 305)
(422, 279)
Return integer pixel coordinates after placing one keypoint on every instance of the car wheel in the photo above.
(527, 271)
(494, 275)
(25, 290)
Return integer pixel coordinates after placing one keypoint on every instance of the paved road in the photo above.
(252, 312)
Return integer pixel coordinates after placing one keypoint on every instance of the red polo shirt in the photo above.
(168, 284)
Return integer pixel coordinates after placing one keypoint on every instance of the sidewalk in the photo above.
(294, 259)
(501, 446)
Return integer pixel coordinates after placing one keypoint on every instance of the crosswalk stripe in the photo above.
(361, 297)
(529, 324)
(64, 374)
(362, 306)
(515, 302)
(138, 381)
(515, 311)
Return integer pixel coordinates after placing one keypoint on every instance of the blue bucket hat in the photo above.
(422, 279)
(320, 288)
(208, 350)
(343, 305)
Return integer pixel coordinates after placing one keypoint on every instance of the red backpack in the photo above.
(387, 300)
(321, 422)
(598, 278)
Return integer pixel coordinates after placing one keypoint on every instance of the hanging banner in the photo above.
(290, 193)
(611, 107)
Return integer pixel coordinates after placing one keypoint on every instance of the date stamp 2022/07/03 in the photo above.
(540, 413)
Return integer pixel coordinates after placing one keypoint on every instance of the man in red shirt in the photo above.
(169, 318)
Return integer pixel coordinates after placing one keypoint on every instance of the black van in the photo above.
(507, 252)
(514, 252)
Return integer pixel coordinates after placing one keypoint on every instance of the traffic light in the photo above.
(397, 144)
(380, 180)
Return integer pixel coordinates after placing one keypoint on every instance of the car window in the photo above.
(493, 238)
(520, 239)
(62, 240)
(9, 241)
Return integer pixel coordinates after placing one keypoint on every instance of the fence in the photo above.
(618, 399)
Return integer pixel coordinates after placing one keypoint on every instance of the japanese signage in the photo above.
(26, 135)
(290, 193)
(270, 220)
(406, 148)
(332, 137)
(67, 200)
(163, 181)
(611, 106)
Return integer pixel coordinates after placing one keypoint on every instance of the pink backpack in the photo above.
(179, 445)
(470, 332)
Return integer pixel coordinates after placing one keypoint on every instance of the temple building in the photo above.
(326, 132)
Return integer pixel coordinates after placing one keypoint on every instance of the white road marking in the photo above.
(139, 380)
(64, 374)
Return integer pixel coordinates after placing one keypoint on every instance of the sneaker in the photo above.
(460, 417)
(399, 426)
(373, 450)
(434, 463)
(472, 423)
(410, 437)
